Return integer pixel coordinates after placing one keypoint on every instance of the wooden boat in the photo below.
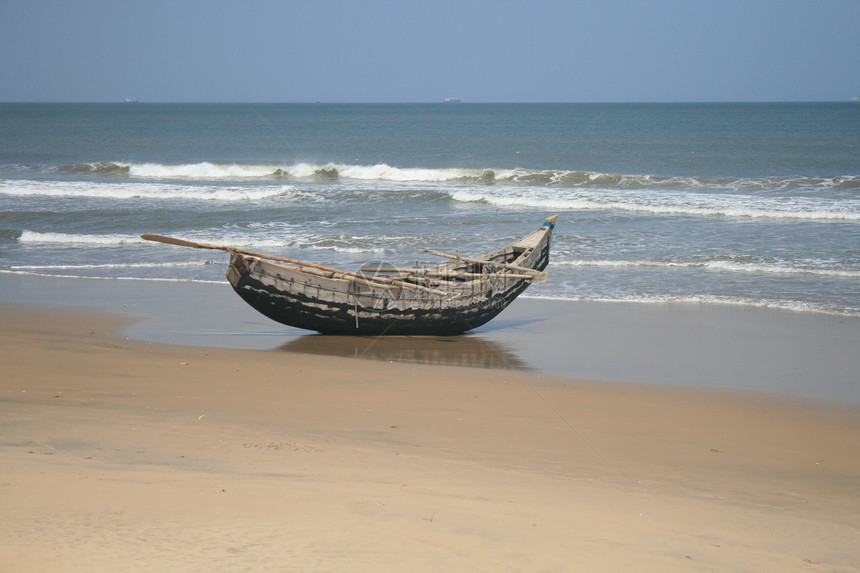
(449, 298)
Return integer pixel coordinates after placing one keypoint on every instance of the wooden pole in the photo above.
(371, 281)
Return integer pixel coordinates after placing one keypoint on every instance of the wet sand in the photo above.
(690, 345)
(123, 454)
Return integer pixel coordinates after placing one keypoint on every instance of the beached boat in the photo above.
(449, 298)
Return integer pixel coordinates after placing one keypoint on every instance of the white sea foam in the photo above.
(783, 268)
(110, 266)
(127, 190)
(385, 172)
(111, 278)
(199, 171)
(284, 239)
(376, 172)
(247, 241)
(702, 299)
(28, 236)
(620, 264)
(665, 203)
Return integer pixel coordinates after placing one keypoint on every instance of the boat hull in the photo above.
(336, 304)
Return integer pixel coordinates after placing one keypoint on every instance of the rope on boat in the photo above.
(534, 275)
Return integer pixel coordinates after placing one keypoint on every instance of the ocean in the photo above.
(724, 204)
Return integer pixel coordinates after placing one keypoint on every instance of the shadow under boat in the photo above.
(464, 350)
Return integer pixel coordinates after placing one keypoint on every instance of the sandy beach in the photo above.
(123, 454)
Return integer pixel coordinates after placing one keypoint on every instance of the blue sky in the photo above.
(409, 51)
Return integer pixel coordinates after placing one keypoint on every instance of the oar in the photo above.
(536, 276)
(369, 280)
(196, 245)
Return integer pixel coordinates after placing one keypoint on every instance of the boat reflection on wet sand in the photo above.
(465, 350)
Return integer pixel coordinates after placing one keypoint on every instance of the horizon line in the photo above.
(440, 102)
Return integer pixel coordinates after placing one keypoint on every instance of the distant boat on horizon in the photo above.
(130, 100)
(451, 100)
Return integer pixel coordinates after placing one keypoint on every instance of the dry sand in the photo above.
(118, 455)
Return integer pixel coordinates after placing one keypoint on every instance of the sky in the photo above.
(424, 51)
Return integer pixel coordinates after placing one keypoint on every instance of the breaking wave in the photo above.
(834, 199)
(554, 178)
(104, 168)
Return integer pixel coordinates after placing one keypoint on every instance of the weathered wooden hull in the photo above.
(336, 303)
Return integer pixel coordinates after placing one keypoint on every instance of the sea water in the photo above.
(741, 204)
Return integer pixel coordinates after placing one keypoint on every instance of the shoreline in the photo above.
(119, 453)
(777, 352)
